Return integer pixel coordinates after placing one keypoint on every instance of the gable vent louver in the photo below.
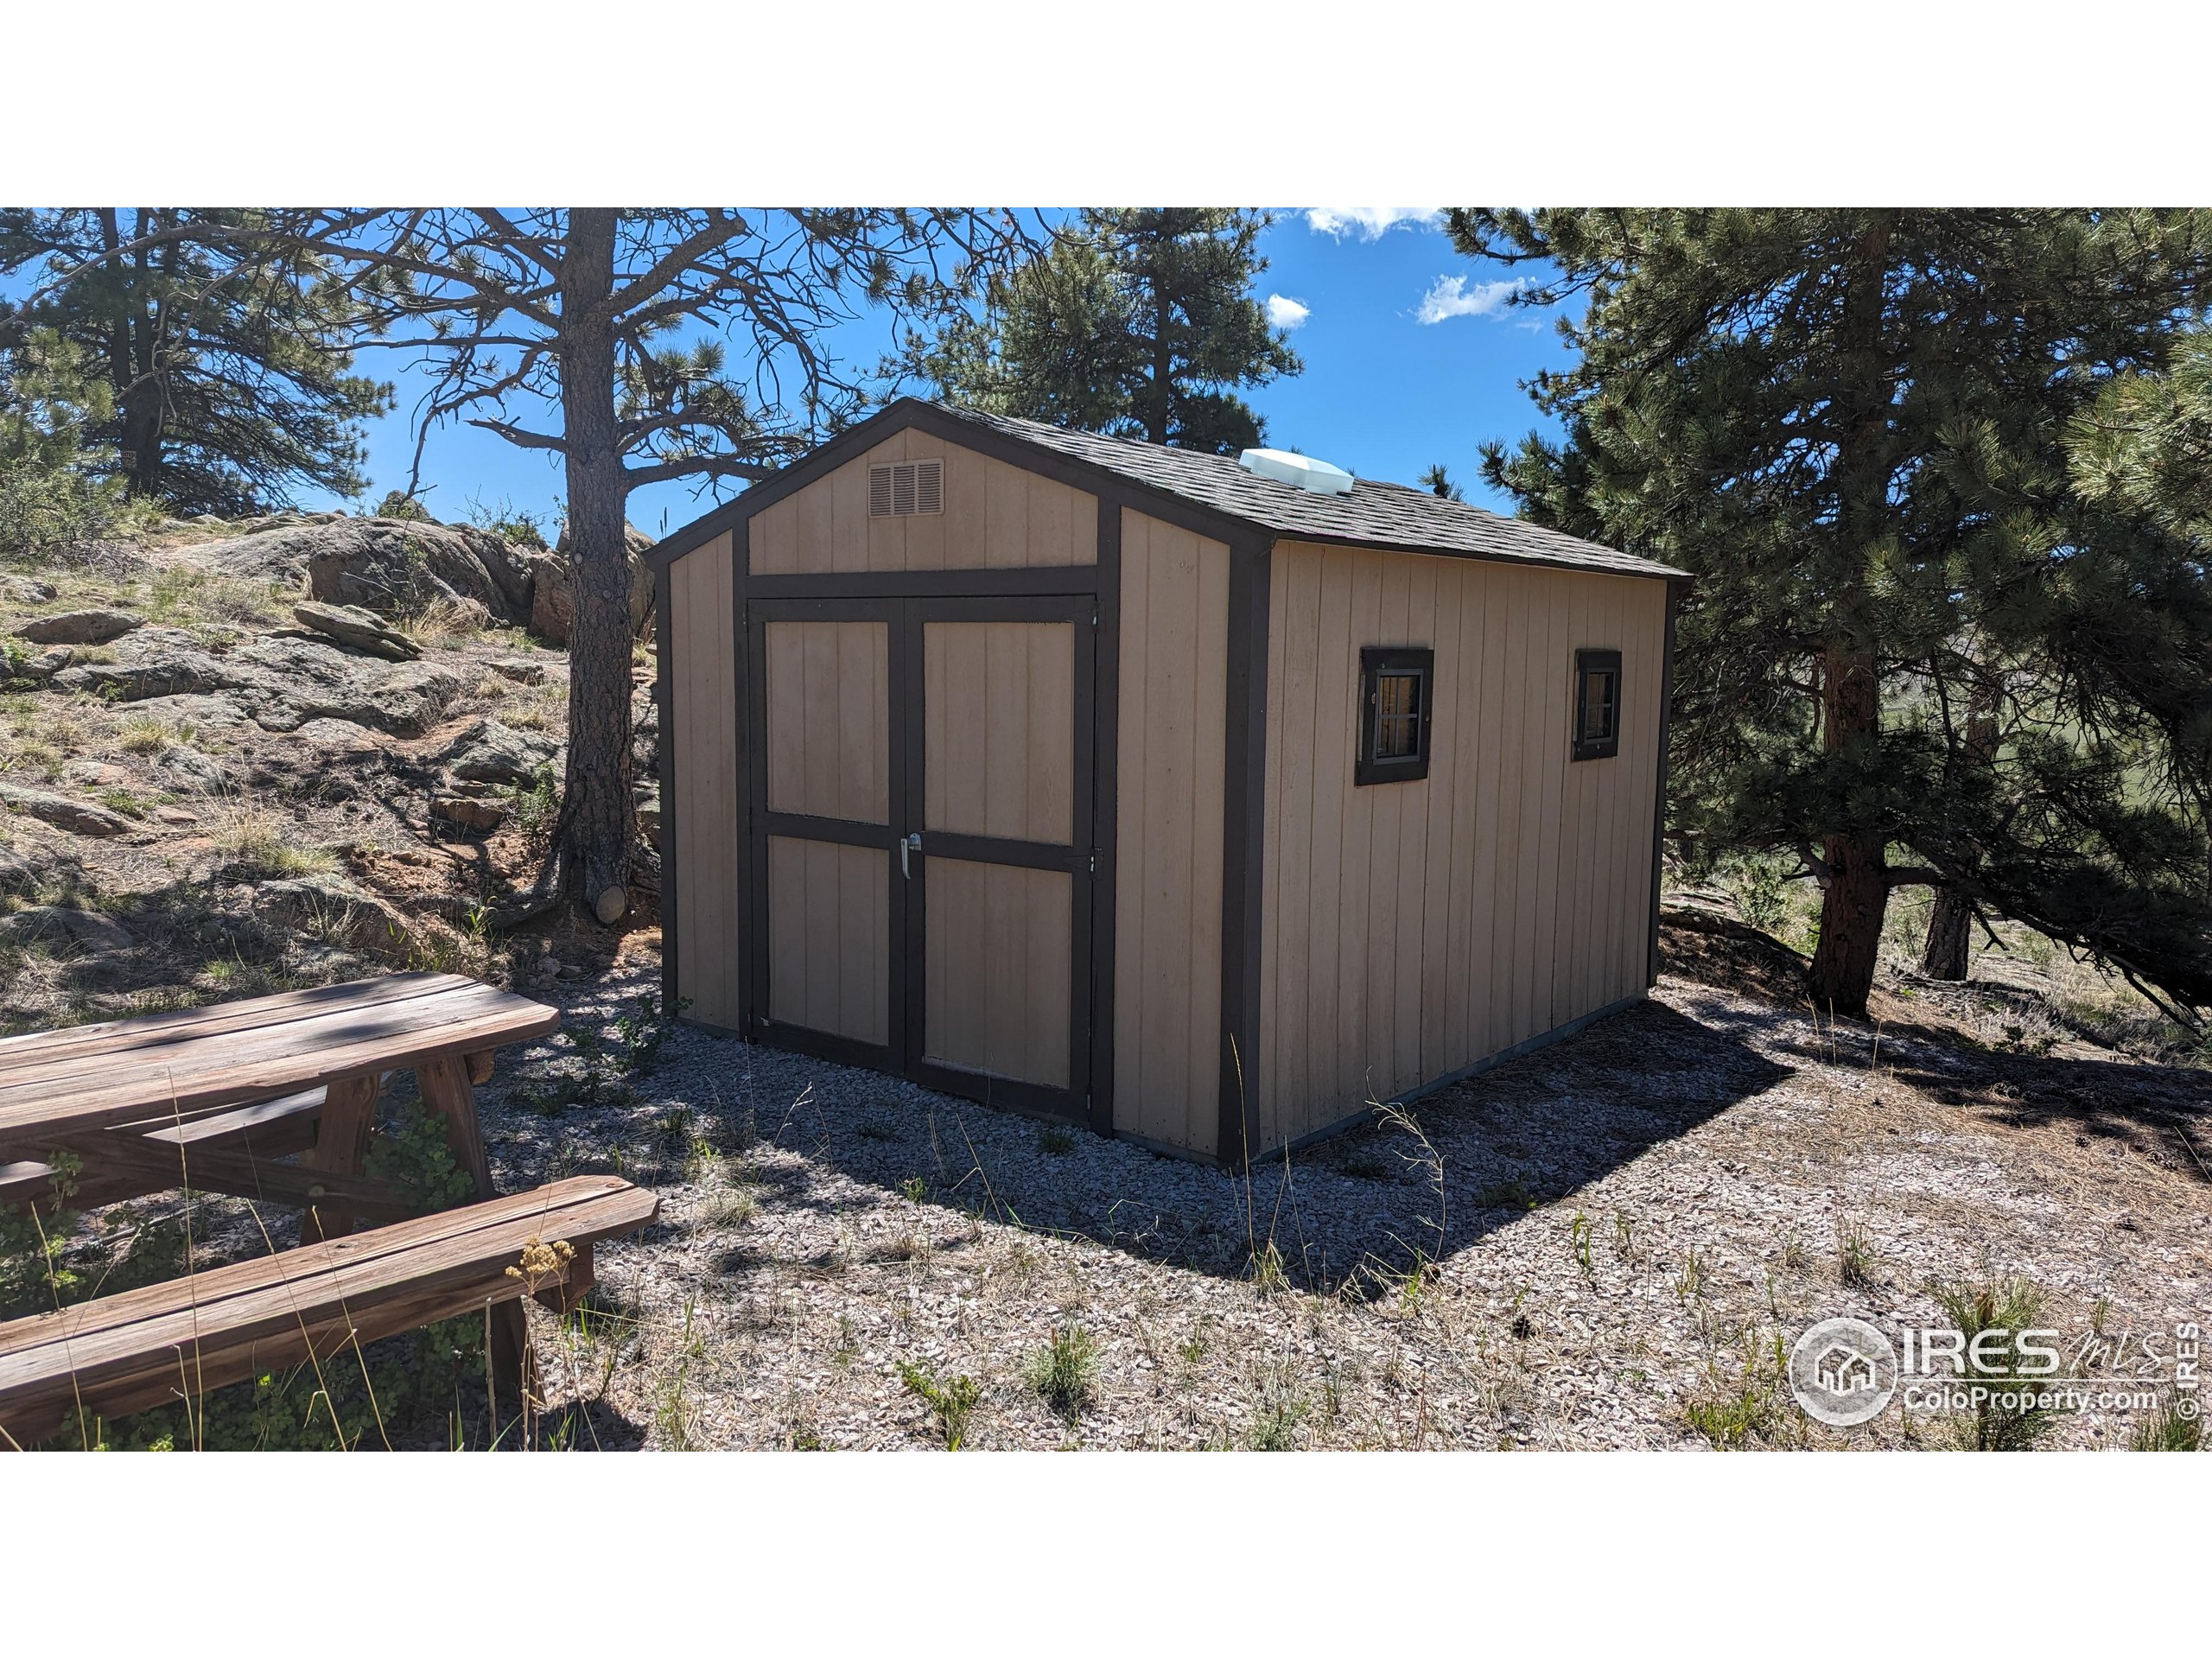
(906, 487)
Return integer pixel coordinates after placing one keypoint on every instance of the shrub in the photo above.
(951, 1404)
(1998, 1424)
(1062, 1372)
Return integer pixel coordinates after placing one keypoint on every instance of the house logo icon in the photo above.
(1843, 1372)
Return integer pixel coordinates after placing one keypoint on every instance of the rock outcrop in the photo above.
(279, 681)
(489, 752)
(53, 924)
(78, 627)
(364, 630)
(386, 565)
(78, 817)
(553, 603)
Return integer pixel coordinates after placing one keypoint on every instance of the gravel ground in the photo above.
(1572, 1251)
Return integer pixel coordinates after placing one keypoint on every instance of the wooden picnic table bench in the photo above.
(169, 1099)
(175, 1341)
(214, 1100)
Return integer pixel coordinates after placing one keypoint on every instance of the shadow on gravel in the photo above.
(2163, 1112)
(1351, 1215)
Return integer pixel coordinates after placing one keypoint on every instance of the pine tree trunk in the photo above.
(596, 835)
(1858, 870)
(1950, 936)
(1858, 892)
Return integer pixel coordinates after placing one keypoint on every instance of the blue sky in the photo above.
(1409, 359)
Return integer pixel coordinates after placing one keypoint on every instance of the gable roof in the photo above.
(1372, 514)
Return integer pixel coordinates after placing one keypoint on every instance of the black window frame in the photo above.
(1588, 662)
(1374, 662)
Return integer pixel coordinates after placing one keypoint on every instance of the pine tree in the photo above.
(2145, 446)
(560, 330)
(52, 492)
(1909, 634)
(225, 357)
(1138, 322)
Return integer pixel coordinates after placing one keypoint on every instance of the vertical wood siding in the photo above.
(1411, 929)
(829, 943)
(997, 950)
(1000, 724)
(828, 720)
(704, 690)
(996, 517)
(1168, 832)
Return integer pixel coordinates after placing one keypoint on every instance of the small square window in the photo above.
(1394, 685)
(1596, 704)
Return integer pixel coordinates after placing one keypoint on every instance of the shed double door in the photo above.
(924, 859)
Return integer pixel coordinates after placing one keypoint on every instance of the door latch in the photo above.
(907, 847)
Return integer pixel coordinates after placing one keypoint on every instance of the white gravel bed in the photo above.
(1623, 1224)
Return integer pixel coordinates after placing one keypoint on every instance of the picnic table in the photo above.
(214, 1100)
(166, 1098)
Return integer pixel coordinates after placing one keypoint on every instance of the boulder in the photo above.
(193, 712)
(280, 681)
(150, 662)
(553, 596)
(188, 769)
(489, 752)
(25, 590)
(78, 817)
(473, 813)
(341, 737)
(364, 630)
(78, 627)
(44, 666)
(522, 670)
(333, 905)
(21, 868)
(60, 924)
(413, 697)
(386, 565)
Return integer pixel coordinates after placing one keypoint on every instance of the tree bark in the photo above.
(1950, 936)
(596, 835)
(1857, 883)
(1858, 880)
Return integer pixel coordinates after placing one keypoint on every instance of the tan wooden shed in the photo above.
(1118, 783)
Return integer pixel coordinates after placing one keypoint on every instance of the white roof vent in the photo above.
(1302, 471)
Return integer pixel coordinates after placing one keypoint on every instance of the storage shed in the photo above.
(1138, 787)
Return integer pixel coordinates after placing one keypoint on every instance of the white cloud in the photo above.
(1287, 313)
(1368, 223)
(1450, 296)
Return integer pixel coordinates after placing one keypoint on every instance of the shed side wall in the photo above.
(1412, 930)
(1171, 782)
(996, 517)
(703, 676)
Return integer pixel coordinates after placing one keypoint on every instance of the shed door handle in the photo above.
(907, 848)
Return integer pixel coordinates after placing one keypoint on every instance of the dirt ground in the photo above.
(1596, 1246)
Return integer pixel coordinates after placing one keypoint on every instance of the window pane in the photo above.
(1597, 707)
(1397, 716)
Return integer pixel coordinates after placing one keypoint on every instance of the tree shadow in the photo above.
(1343, 1215)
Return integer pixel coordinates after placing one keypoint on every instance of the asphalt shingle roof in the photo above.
(1388, 515)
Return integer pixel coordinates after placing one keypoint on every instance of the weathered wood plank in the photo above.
(127, 1352)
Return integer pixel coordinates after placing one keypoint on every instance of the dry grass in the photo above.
(262, 843)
